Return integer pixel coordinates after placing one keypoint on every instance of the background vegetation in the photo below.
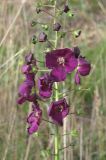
(15, 36)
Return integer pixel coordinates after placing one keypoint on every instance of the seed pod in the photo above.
(42, 37)
(56, 26)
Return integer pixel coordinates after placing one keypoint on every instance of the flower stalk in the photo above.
(56, 138)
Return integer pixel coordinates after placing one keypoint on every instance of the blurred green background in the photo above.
(15, 38)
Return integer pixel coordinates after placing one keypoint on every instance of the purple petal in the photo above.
(58, 110)
(32, 98)
(33, 128)
(26, 69)
(84, 67)
(45, 86)
(21, 100)
(25, 88)
(31, 118)
(77, 78)
(58, 120)
(71, 64)
(45, 94)
(30, 76)
(58, 74)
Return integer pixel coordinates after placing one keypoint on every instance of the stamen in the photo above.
(61, 60)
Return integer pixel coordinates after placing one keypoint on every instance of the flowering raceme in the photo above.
(60, 62)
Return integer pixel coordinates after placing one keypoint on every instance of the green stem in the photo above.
(56, 137)
(56, 129)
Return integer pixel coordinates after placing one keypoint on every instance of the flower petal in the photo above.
(21, 100)
(58, 74)
(77, 78)
(26, 69)
(84, 67)
(71, 64)
(45, 86)
(33, 128)
(58, 110)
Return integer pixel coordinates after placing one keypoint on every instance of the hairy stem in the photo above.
(56, 129)
(56, 138)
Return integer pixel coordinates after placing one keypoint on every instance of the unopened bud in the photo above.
(42, 37)
(76, 51)
(77, 33)
(56, 27)
(66, 9)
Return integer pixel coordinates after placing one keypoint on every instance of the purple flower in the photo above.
(26, 69)
(61, 61)
(58, 111)
(34, 119)
(25, 91)
(30, 76)
(25, 88)
(45, 86)
(83, 69)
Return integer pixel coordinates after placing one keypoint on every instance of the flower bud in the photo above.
(42, 37)
(34, 39)
(76, 51)
(77, 33)
(66, 8)
(56, 27)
